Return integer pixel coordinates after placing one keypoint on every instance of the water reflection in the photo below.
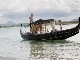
(52, 50)
(41, 50)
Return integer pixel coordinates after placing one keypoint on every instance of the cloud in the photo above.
(21, 9)
(29, 5)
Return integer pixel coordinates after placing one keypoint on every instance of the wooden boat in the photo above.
(53, 35)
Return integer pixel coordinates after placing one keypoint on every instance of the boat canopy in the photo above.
(41, 21)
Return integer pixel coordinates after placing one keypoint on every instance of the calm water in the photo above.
(13, 47)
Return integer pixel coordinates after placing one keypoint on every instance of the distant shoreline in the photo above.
(18, 25)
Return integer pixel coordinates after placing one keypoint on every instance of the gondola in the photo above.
(37, 26)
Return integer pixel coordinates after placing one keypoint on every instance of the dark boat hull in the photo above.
(58, 35)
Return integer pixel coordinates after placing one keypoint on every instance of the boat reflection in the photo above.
(41, 50)
(44, 50)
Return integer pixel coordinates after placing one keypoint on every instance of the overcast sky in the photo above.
(19, 10)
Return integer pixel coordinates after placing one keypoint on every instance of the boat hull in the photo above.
(58, 35)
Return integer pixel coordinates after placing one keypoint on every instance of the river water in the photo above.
(13, 47)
